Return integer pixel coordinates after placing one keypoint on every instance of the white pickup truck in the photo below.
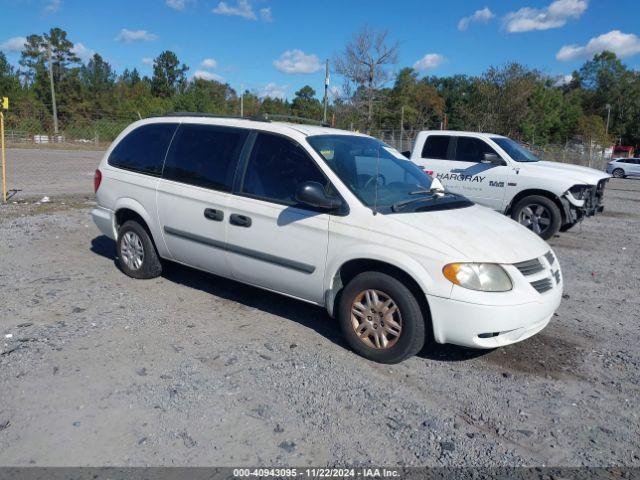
(499, 173)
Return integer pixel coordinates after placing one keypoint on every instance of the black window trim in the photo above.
(243, 164)
(164, 159)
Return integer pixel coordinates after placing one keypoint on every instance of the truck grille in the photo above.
(550, 258)
(529, 267)
(543, 285)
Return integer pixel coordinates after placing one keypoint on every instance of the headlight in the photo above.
(485, 277)
(579, 192)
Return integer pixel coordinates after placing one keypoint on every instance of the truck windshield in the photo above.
(379, 175)
(515, 150)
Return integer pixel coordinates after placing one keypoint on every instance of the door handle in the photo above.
(240, 220)
(213, 214)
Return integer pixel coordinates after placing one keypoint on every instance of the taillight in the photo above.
(97, 178)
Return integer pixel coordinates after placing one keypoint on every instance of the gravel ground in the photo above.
(40, 172)
(191, 369)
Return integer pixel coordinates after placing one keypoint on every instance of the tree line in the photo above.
(599, 104)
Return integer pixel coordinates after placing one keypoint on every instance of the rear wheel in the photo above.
(137, 254)
(380, 318)
(539, 214)
(618, 173)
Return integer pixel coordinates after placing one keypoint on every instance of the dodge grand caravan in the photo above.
(330, 217)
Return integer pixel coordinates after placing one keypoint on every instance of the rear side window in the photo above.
(205, 156)
(143, 150)
(469, 149)
(436, 146)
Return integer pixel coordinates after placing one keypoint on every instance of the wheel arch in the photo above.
(129, 209)
(536, 191)
(348, 269)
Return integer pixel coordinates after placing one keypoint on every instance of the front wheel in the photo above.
(618, 173)
(380, 318)
(539, 214)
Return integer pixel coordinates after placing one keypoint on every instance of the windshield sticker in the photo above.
(395, 153)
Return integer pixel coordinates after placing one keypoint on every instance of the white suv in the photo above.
(498, 173)
(330, 217)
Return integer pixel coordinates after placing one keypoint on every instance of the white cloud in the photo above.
(274, 90)
(429, 62)
(82, 52)
(148, 61)
(554, 16)
(204, 75)
(563, 80)
(622, 44)
(296, 61)
(479, 16)
(177, 4)
(242, 8)
(208, 63)
(13, 45)
(129, 36)
(265, 14)
(52, 6)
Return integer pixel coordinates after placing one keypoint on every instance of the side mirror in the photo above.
(314, 195)
(492, 159)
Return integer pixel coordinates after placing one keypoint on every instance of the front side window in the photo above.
(469, 149)
(516, 151)
(143, 149)
(205, 156)
(378, 175)
(436, 146)
(276, 167)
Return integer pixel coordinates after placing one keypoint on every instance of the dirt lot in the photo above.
(191, 369)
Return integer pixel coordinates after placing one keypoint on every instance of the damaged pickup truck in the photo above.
(499, 173)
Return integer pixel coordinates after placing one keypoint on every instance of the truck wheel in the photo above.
(137, 256)
(618, 173)
(380, 318)
(539, 214)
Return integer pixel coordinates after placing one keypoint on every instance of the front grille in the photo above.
(550, 258)
(529, 267)
(543, 285)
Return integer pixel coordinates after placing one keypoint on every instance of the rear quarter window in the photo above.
(143, 149)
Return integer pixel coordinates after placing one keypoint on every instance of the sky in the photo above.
(274, 47)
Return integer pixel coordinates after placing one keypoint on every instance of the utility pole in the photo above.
(53, 92)
(241, 101)
(326, 91)
(401, 126)
(608, 107)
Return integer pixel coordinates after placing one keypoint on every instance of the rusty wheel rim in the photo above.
(376, 319)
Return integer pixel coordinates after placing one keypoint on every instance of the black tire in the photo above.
(413, 330)
(150, 266)
(552, 213)
(618, 173)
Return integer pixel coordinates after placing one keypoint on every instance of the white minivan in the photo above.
(330, 217)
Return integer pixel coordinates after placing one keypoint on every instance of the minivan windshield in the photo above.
(380, 176)
(515, 150)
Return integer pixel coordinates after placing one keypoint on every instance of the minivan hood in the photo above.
(478, 233)
(576, 173)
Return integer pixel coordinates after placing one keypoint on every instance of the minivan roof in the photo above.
(256, 124)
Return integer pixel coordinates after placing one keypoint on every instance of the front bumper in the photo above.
(593, 204)
(490, 326)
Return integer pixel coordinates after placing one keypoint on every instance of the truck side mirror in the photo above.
(314, 195)
(492, 159)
